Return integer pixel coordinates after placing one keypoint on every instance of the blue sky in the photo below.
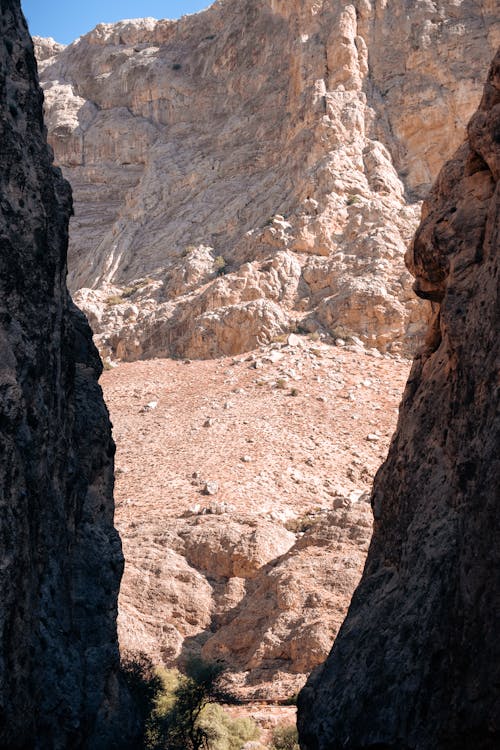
(65, 21)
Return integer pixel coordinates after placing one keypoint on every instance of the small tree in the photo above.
(220, 265)
(175, 724)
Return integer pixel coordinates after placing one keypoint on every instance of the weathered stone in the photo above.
(60, 556)
(293, 606)
(417, 662)
(281, 144)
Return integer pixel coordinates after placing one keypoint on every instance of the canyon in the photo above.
(246, 182)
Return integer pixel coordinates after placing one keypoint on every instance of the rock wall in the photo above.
(416, 663)
(256, 167)
(60, 556)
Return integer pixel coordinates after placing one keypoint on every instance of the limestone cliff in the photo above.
(417, 662)
(255, 167)
(60, 556)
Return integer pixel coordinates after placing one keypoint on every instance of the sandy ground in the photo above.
(235, 422)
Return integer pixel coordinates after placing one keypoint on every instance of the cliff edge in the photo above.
(60, 556)
(416, 664)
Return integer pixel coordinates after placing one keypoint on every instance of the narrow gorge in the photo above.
(245, 184)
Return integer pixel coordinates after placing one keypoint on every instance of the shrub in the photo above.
(285, 737)
(144, 684)
(185, 716)
(292, 699)
(220, 265)
(114, 299)
(224, 732)
(298, 526)
(353, 199)
(129, 291)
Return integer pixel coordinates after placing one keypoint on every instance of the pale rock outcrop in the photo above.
(60, 556)
(46, 47)
(256, 129)
(416, 665)
(244, 590)
(294, 606)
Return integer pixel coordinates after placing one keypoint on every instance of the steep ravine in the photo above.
(60, 556)
(416, 665)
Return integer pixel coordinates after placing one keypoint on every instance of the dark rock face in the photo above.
(60, 556)
(416, 665)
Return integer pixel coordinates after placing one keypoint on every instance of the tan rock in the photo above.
(304, 136)
(232, 558)
(294, 607)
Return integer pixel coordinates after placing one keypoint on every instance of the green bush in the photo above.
(185, 714)
(114, 299)
(145, 686)
(285, 737)
(353, 199)
(220, 265)
(224, 732)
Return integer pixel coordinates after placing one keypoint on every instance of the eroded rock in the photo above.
(288, 140)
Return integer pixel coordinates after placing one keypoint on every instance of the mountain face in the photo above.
(416, 663)
(257, 168)
(60, 556)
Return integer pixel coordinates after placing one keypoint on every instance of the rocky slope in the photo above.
(245, 573)
(255, 167)
(416, 663)
(60, 556)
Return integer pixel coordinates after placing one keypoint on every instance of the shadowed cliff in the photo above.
(60, 556)
(416, 664)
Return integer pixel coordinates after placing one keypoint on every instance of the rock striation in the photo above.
(60, 556)
(257, 167)
(416, 663)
